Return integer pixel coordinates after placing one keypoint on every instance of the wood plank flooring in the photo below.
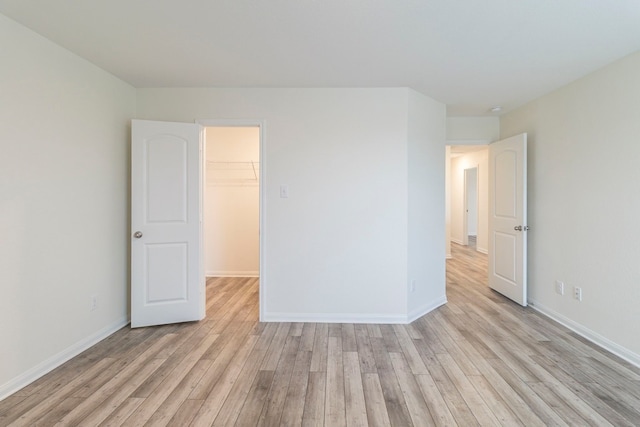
(478, 360)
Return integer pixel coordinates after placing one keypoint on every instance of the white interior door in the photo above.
(167, 278)
(508, 217)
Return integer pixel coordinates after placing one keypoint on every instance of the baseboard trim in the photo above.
(482, 250)
(65, 355)
(233, 274)
(400, 319)
(587, 333)
(426, 308)
(335, 318)
(459, 242)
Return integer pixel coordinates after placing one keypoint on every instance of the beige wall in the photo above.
(64, 210)
(584, 152)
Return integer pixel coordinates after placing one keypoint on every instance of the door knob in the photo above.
(137, 234)
(518, 228)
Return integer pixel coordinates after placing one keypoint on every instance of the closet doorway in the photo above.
(231, 217)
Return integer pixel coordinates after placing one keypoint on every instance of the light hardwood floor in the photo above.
(478, 360)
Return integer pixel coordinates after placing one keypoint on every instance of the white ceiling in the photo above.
(468, 54)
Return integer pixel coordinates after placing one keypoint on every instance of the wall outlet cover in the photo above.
(577, 293)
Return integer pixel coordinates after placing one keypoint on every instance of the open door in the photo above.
(167, 278)
(508, 217)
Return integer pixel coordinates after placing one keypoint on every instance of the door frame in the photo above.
(261, 125)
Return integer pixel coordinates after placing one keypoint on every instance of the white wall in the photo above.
(64, 208)
(584, 152)
(337, 247)
(479, 159)
(426, 229)
(232, 201)
(472, 130)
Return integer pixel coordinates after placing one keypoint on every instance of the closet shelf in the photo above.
(232, 172)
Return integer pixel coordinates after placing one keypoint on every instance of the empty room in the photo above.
(396, 213)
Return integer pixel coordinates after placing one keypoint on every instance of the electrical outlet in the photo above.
(559, 287)
(94, 302)
(577, 293)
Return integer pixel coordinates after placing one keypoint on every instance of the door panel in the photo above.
(508, 217)
(166, 179)
(505, 262)
(167, 279)
(505, 184)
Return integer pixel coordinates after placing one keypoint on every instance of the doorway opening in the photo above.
(501, 212)
(232, 202)
(468, 199)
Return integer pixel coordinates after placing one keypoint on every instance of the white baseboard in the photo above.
(251, 273)
(51, 363)
(334, 318)
(457, 241)
(401, 319)
(587, 333)
(482, 250)
(427, 308)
